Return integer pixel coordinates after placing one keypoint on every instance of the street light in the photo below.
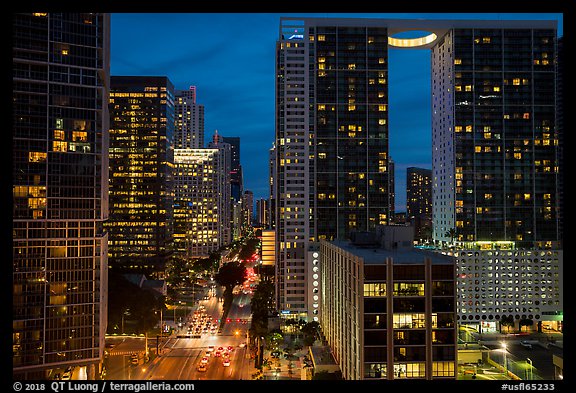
(505, 365)
(529, 361)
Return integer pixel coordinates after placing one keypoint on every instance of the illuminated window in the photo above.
(381, 122)
(526, 115)
(485, 40)
(35, 156)
(352, 66)
(375, 289)
(458, 88)
(59, 146)
(457, 61)
(321, 37)
(458, 129)
(59, 135)
(516, 81)
(80, 136)
(468, 87)
(469, 128)
(496, 88)
(382, 108)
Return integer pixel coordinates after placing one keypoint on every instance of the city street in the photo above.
(180, 357)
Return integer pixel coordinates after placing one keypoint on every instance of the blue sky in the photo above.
(230, 58)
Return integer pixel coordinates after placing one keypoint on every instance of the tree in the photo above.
(525, 322)
(230, 275)
(310, 331)
(124, 295)
(507, 320)
(451, 233)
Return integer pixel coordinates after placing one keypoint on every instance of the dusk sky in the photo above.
(230, 58)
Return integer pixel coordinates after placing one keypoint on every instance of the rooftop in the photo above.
(377, 255)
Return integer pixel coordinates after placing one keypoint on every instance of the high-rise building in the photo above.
(494, 134)
(247, 208)
(236, 177)
(200, 216)
(391, 189)
(60, 192)
(494, 138)
(189, 118)
(331, 141)
(141, 174)
(419, 201)
(262, 212)
(225, 186)
(272, 179)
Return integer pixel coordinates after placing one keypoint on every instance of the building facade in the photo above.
(200, 216)
(494, 137)
(189, 118)
(388, 314)
(419, 201)
(60, 93)
(331, 141)
(224, 187)
(141, 223)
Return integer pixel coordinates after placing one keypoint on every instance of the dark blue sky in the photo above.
(230, 57)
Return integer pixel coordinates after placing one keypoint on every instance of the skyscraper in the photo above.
(200, 218)
(189, 118)
(60, 192)
(247, 208)
(225, 189)
(494, 140)
(141, 173)
(331, 141)
(419, 201)
(236, 177)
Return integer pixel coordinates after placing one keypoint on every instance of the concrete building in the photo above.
(388, 313)
(201, 217)
(189, 120)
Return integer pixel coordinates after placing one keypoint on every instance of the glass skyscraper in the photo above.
(60, 192)
(141, 174)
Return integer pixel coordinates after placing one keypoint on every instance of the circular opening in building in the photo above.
(315, 255)
(411, 39)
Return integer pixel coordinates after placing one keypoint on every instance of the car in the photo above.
(220, 349)
(211, 348)
(201, 368)
(241, 345)
(226, 362)
(230, 348)
(526, 344)
(218, 354)
(67, 374)
(204, 360)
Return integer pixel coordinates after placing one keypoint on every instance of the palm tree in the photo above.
(451, 233)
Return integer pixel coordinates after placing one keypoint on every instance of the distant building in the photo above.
(263, 212)
(226, 186)
(248, 208)
(189, 120)
(201, 217)
(419, 201)
(388, 311)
